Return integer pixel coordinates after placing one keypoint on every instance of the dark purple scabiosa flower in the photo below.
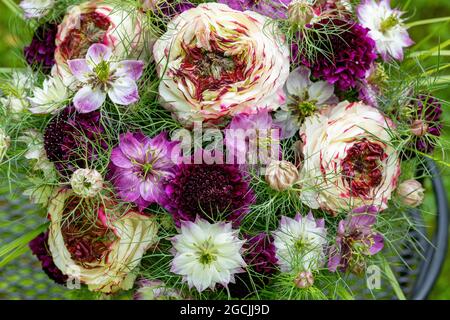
(71, 139)
(141, 166)
(276, 9)
(346, 53)
(41, 51)
(39, 247)
(260, 256)
(260, 253)
(427, 125)
(355, 239)
(214, 192)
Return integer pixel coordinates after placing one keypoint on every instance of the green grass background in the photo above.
(11, 46)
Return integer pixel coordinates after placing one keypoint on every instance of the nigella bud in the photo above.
(411, 193)
(300, 13)
(4, 143)
(155, 290)
(419, 128)
(86, 183)
(304, 279)
(281, 175)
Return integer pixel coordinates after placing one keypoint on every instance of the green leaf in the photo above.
(13, 7)
(18, 244)
(13, 255)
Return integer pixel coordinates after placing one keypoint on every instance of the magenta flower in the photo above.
(355, 239)
(100, 75)
(353, 53)
(276, 9)
(140, 167)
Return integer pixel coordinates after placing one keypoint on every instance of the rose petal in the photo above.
(88, 99)
(124, 91)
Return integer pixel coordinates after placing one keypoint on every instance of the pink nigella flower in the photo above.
(141, 166)
(100, 75)
(355, 238)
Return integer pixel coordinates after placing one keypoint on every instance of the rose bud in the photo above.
(411, 193)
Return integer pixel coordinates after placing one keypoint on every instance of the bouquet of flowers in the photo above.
(222, 149)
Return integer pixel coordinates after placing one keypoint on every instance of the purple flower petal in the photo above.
(377, 245)
(128, 183)
(132, 148)
(120, 160)
(80, 69)
(130, 68)
(124, 92)
(97, 53)
(88, 99)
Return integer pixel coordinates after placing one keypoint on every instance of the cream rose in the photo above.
(349, 159)
(97, 22)
(103, 265)
(216, 62)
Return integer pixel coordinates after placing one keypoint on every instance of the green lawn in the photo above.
(10, 57)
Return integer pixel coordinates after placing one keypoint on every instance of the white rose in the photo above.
(349, 159)
(130, 235)
(216, 62)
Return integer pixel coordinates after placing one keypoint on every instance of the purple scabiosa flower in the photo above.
(100, 75)
(141, 166)
(214, 192)
(71, 139)
(276, 9)
(427, 125)
(353, 53)
(260, 253)
(253, 138)
(355, 239)
(41, 51)
(39, 247)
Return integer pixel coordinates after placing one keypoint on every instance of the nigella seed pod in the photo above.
(304, 279)
(281, 175)
(300, 13)
(419, 128)
(4, 143)
(86, 183)
(411, 193)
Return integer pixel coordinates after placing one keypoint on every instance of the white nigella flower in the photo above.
(386, 27)
(300, 243)
(304, 97)
(207, 254)
(50, 98)
(35, 151)
(100, 75)
(36, 8)
(4, 143)
(15, 92)
(86, 183)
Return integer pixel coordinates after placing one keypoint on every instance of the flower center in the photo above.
(214, 64)
(303, 108)
(86, 242)
(206, 252)
(102, 71)
(209, 70)
(92, 29)
(388, 23)
(361, 168)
